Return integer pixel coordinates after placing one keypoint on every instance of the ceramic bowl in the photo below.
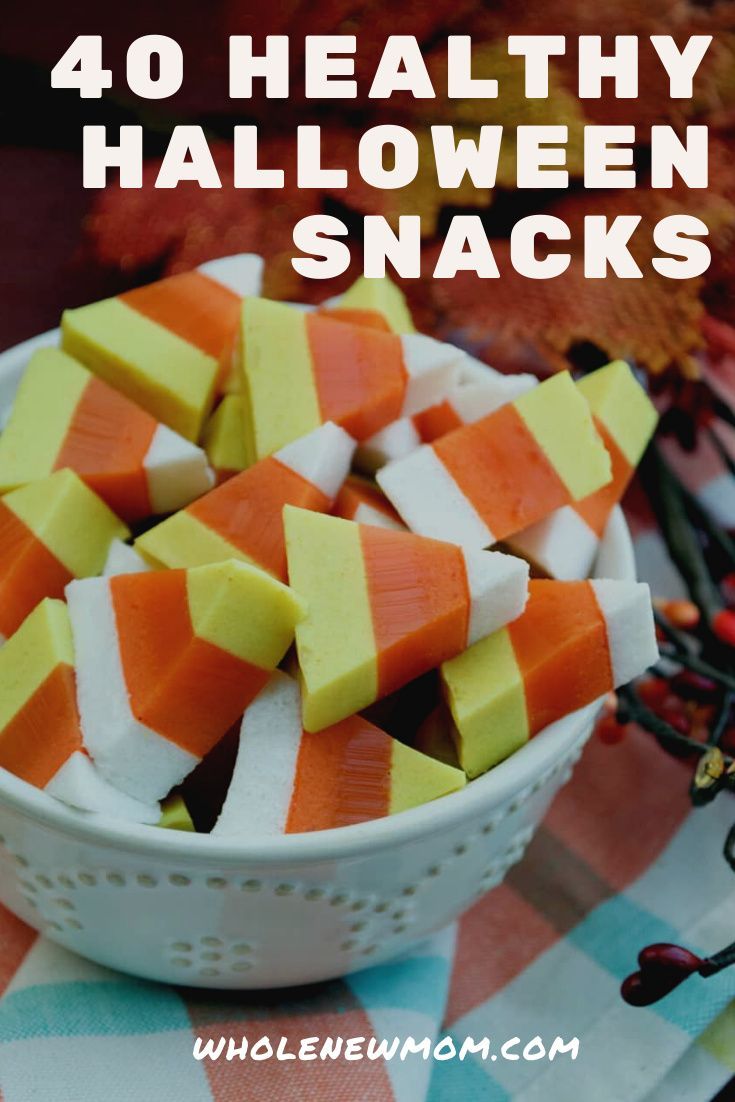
(189, 909)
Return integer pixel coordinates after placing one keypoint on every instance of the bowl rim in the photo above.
(511, 777)
(483, 795)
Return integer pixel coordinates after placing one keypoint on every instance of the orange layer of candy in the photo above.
(579, 669)
(184, 688)
(111, 464)
(370, 394)
(503, 471)
(45, 732)
(595, 509)
(196, 308)
(356, 492)
(28, 572)
(436, 421)
(342, 777)
(368, 319)
(419, 602)
(247, 510)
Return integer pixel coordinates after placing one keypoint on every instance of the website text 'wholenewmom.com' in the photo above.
(394, 1048)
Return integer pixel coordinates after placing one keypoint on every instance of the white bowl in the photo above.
(189, 909)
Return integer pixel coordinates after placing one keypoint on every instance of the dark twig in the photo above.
(703, 518)
(631, 709)
(721, 449)
(714, 964)
(678, 638)
(699, 666)
(729, 850)
(719, 727)
(664, 494)
(721, 409)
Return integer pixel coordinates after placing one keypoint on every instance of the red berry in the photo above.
(681, 614)
(669, 959)
(653, 691)
(676, 718)
(662, 968)
(693, 686)
(610, 731)
(699, 731)
(723, 625)
(635, 992)
(727, 742)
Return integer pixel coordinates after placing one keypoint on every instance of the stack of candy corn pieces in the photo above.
(191, 553)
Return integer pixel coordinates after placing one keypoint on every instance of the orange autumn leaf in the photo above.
(653, 320)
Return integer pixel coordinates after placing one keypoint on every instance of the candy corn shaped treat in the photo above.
(242, 519)
(565, 543)
(575, 642)
(167, 346)
(224, 439)
(368, 298)
(124, 559)
(51, 531)
(485, 481)
(168, 661)
(64, 416)
(361, 501)
(384, 607)
(301, 369)
(287, 781)
(40, 736)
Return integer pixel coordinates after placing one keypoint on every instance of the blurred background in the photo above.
(63, 246)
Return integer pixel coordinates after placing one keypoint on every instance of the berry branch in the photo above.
(687, 702)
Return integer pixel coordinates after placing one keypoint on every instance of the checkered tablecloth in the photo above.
(620, 861)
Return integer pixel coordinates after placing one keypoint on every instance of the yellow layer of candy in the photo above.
(244, 611)
(618, 400)
(74, 524)
(335, 641)
(416, 779)
(224, 438)
(175, 814)
(560, 419)
(276, 365)
(183, 541)
(41, 643)
(164, 374)
(484, 690)
(384, 297)
(44, 405)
